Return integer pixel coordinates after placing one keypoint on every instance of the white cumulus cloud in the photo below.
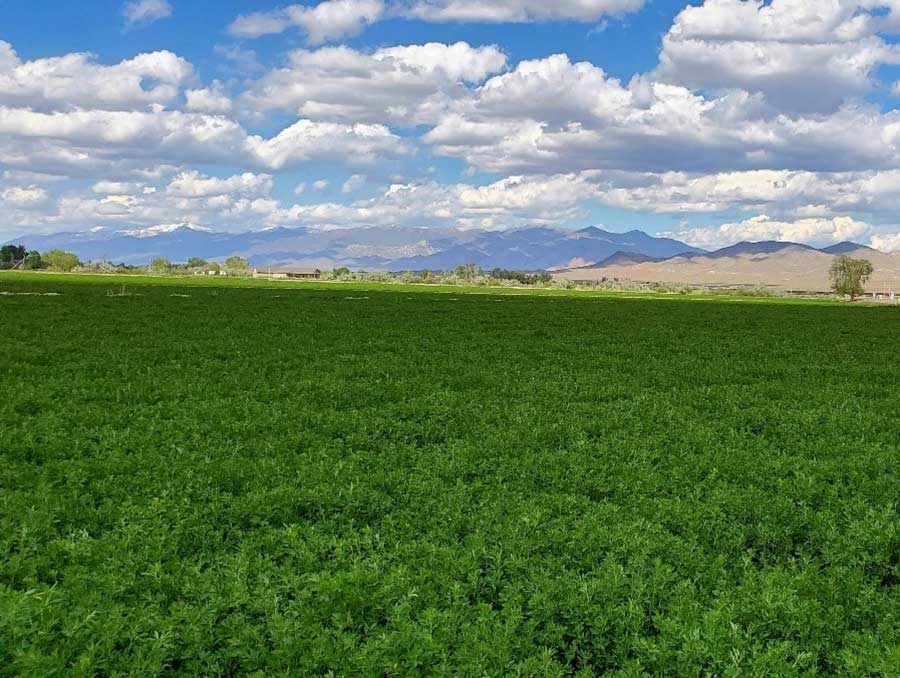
(510, 202)
(334, 19)
(306, 141)
(105, 141)
(76, 80)
(354, 183)
(517, 11)
(146, 11)
(886, 242)
(193, 184)
(211, 99)
(409, 84)
(23, 196)
(807, 55)
(117, 187)
(551, 115)
(329, 20)
(816, 231)
(756, 108)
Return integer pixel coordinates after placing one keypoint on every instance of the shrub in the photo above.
(236, 264)
(33, 261)
(58, 260)
(160, 265)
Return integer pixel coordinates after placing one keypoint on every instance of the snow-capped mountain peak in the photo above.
(160, 229)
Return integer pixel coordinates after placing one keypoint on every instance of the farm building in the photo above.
(288, 273)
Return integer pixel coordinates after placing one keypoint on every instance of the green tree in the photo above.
(340, 271)
(849, 276)
(236, 264)
(11, 255)
(542, 278)
(33, 261)
(160, 265)
(467, 271)
(196, 262)
(58, 260)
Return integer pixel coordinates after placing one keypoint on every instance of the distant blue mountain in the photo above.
(177, 243)
(845, 248)
(763, 247)
(546, 248)
(394, 249)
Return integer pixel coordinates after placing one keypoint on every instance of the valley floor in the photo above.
(246, 477)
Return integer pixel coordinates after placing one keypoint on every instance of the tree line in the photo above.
(236, 265)
(469, 274)
(20, 258)
(17, 256)
(848, 277)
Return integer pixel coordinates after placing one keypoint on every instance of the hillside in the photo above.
(786, 266)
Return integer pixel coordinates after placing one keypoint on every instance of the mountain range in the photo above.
(395, 249)
(589, 254)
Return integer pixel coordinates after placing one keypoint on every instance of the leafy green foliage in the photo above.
(58, 260)
(218, 479)
(160, 265)
(542, 278)
(467, 271)
(33, 261)
(10, 255)
(236, 264)
(849, 276)
(196, 262)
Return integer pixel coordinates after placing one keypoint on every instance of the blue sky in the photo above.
(712, 122)
(626, 46)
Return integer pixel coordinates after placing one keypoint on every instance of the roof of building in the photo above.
(289, 271)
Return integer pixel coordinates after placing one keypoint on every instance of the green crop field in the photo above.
(300, 480)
